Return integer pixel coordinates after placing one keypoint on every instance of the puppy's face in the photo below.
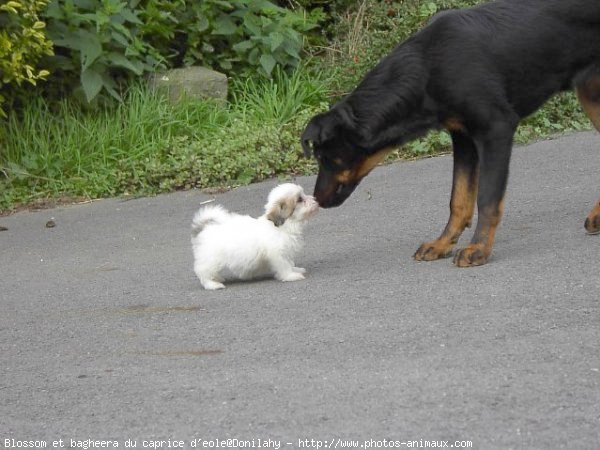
(342, 162)
(288, 202)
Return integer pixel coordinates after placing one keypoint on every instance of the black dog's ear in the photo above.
(323, 127)
(310, 134)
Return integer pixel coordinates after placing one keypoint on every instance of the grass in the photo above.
(145, 146)
(63, 149)
(281, 98)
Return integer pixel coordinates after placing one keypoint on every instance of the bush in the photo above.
(97, 41)
(22, 44)
(234, 36)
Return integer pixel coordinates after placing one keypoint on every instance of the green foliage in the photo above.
(233, 36)
(144, 145)
(22, 44)
(561, 114)
(96, 41)
(239, 154)
(99, 43)
(332, 5)
(372, 28)
(280, 98)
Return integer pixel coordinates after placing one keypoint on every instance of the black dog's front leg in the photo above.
(462, 201)
(494, 149)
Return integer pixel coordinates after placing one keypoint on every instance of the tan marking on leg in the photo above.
(592, 223)
(462, 206)
(453, 124)
(479, 250)
(589, 97)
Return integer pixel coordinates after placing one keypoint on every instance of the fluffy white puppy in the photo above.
(230, 246)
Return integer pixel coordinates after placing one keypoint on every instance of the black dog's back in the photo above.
(515, 51)
(508, 56)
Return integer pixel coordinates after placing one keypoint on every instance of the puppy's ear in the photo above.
(281, 211)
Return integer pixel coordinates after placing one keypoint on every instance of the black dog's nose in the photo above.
(335, 197)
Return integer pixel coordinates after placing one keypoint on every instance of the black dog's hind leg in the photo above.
(494, 149)
(589, 97)
(462, 202)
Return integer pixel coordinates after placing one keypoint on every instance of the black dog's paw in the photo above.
(430, 251)
(471, 256)
(592, 223)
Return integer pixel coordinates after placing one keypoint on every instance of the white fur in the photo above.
(230, 246)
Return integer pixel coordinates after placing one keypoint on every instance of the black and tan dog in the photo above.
(475, 72)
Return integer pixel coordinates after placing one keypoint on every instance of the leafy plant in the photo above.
(97, 41)
(230, 35)
(22, 44)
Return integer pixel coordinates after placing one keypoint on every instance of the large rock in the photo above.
(190, 82)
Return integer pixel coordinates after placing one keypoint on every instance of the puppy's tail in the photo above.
(208, 215)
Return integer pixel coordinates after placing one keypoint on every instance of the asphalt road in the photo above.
(106, 334)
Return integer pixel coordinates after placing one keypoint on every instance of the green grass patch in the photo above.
(145, 146)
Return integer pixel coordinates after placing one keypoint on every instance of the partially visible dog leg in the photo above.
(284, 269)
(462, 202)
(494, 150)
(211, 285)
(208, 276)
(589, 97)
(592, 223)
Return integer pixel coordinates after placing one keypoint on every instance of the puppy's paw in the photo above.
(291, 276)
(211, 285)
(471, 256)
(299, 270)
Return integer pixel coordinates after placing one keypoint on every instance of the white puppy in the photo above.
(230, 246)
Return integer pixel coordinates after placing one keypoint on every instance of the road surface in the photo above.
(106, 334)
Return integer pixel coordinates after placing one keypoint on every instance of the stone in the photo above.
(191, 82)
